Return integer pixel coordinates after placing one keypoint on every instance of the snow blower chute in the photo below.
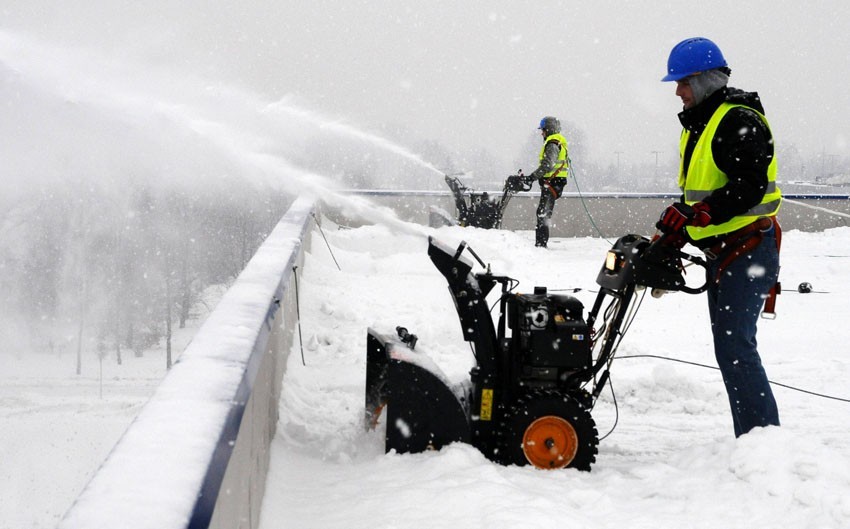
(529, 397)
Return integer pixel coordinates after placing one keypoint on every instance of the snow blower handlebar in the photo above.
(516, 183)
(635, 260)
(660, 250)
(632, 262)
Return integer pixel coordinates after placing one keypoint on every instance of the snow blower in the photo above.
(477, 209)
(529, 397)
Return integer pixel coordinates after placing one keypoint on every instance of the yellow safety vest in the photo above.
(703, 177)
(560, 169)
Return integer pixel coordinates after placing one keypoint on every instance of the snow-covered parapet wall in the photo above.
(590, 214)
(197, 454)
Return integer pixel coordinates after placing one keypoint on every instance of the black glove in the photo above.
(517, 182)
(525, 180)
(679, 215)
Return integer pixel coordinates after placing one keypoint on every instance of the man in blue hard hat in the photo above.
(551, 174)
(728, 209)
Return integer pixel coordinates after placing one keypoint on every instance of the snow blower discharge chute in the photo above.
(530, 394)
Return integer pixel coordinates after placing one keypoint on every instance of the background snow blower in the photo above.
(529, 397)
(478, 209)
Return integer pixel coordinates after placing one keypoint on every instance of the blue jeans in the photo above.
(734, 304)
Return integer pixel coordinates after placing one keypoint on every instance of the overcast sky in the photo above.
(478, 74)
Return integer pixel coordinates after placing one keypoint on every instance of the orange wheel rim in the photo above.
(550, 442)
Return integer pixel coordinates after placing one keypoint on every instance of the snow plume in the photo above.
(284, 106)
(87, 114)
(184, 130)
(129, 187)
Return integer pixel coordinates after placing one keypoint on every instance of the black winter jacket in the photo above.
(742, 148)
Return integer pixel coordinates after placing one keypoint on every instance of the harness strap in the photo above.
(560, 167)
(737, 243)
(554, 185)
(769, 311)
(740, 243)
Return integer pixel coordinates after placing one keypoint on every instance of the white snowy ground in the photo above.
(672, 460)
(56, 427)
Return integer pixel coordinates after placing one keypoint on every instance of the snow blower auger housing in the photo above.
(529, 397)
(480, 209)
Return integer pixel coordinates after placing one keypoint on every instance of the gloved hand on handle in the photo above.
(673, 240)
(518, 182)
(678, 215)
(702, 215)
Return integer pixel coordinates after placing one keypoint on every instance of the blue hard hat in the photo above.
(550, 124)
(691, 56)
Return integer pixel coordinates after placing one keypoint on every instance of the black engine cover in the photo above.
(549, 334)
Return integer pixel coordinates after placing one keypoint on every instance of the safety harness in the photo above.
(741, 242)
(555, 186)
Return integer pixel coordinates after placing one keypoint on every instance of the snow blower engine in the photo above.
(531, 392)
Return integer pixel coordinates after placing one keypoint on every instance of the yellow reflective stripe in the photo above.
(765, 208)
(696, 195)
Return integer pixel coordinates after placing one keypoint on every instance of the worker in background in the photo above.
(728, 209)
(551, 175)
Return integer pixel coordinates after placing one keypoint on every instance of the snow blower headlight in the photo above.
(613, 261)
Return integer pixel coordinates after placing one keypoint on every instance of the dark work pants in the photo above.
(544, 216)
(734, 305)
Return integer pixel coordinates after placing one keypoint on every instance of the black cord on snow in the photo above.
(326, 242)
(715, 368)
(581, 197)
(697, 364)
(616, 410)
(298, 315)
(628, 321)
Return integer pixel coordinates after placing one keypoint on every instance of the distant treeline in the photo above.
(84, 268)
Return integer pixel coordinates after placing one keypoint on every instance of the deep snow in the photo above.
(672, 460)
